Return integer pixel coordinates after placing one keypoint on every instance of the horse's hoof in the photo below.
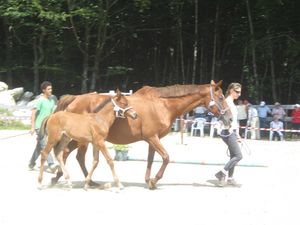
(151, 184)
(93, 184)
(54, 181)
(105, 186)
(39, 186)
(86, 186)
(69, 184)
(120, 186)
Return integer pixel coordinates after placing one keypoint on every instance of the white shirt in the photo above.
(234, 112)
(252, 112)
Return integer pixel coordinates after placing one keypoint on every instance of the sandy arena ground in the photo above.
(269, 194)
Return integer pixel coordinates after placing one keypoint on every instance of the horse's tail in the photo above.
(64, 101)
(43, 130)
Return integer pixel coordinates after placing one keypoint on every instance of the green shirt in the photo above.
(44, 108)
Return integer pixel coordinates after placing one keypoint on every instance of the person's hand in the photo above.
(32, 130)
(239, 139)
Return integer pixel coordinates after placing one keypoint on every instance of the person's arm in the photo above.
(33, 117)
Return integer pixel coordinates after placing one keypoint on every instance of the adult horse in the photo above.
(157, 109)
(63, 126)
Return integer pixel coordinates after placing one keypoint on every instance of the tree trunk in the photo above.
(85, 64)
(244, 64)
(35, 67)
(213, 68)
(272, 67)
(201, 66)
(8, 57)
(84, 74)
(38, 58)
(195, 44)
(181, 52)
(253, 52)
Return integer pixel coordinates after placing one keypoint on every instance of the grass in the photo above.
(11, 124)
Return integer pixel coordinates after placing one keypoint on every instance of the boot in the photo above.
(221, 177)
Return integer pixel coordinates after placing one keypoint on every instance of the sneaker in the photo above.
(53, 168)
(221, 177)
(232, 182)
(31, 166)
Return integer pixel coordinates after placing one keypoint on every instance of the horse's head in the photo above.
(121, 106)
(217, 104)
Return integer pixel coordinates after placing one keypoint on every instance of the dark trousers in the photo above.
(263, 124)
(234, 151)
(40, 145)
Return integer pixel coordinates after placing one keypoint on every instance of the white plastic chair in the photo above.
(198, 124)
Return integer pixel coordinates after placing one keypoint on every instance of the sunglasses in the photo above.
(238, 92)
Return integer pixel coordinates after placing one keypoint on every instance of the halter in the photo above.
(120, 112)
(213, 102)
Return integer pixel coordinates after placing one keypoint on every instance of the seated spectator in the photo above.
(296, 120)
(200, 112)
(276, 131)
(278, 111)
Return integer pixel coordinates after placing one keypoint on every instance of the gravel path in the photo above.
(269, 193)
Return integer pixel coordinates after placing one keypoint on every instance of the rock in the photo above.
(25, 99)
(3, 86)
(7, 99)
(16, 93)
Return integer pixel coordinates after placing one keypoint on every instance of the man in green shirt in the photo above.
(44, 106)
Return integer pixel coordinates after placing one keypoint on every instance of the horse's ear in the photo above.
(219, 84)
(212, 82)
(118, 93)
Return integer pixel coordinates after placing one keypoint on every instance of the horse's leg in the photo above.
(59, 152)
(110, 162)
(151, 153)
(44, 155)
(156, 144)
(80, 156)
(66, 152)
(94, 166)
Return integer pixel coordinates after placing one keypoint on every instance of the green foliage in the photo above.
(142, 4)
(140, 34)
(13, 125)
(121, 147)
(5, 112)
(118, 70)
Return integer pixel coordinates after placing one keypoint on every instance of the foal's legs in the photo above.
(94, 166)
(44, 155)
(101, 146)
(80, 156)
(59, 151)
(155, 144)
(110, 162)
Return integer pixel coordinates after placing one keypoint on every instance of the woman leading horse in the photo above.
(157, 109)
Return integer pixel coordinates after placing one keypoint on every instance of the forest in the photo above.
(100, 45)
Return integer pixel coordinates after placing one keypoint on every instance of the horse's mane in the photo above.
(64, 101)
(169, 91)
(102, 104)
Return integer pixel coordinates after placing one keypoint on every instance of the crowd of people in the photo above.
(259, 121)
(254, 124)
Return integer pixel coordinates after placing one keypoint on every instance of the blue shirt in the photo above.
(263, 111)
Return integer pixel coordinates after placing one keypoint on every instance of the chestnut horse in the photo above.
(157, 109)
(62, 127)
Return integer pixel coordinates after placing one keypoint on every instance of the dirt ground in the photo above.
(269, 195)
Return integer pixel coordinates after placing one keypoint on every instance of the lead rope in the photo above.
(213, 102)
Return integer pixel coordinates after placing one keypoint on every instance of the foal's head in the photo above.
(121, 106)
(216, 103)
